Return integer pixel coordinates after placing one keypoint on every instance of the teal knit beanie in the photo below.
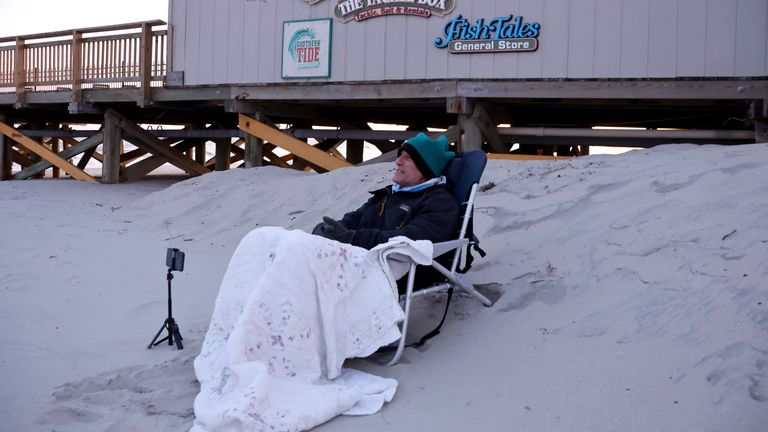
(429, 155)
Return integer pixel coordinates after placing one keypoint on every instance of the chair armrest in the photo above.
(443, 247)
(437, 250)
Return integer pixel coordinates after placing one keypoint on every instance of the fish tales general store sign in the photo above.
(502, 34)
(360, 10)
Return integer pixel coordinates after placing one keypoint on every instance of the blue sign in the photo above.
(503, 34)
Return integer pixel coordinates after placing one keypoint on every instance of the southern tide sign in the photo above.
(307, 49)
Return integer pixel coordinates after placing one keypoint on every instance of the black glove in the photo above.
(334, 230)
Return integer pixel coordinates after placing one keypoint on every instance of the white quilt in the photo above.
(291, 308)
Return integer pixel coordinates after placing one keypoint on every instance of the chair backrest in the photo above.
(463, 171)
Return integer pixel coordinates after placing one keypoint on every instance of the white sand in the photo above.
(634, 296)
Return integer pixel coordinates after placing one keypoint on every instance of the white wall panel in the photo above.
(554, 42)
(458, 64)
(220, 41)
(270, 40)
(608, 15)
(504, 66)
(344, 46)
(239, 41)
(482, 65)
(691, 37)
(354, 57)
(205, 54)
(662, 34)
(284, 9)
(531, 65)
(634, 38)
(581, 42)
(177, 17)
(752, 17)
(721, 38)
(375, 30)
(192, 42)
(250, 44)
(395, 47)
(235, 44)
(437, 59)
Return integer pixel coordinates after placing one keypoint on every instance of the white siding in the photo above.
(607, 38)
(553, 46)
(233, 48)
(416, 39)
(206, 18)
(662, 51)
(752, 16)
(691, 37)
(437, 60)
(581, 44)
(634, 38)
(239, 41)
(721, 38)
(483, 65)
(504, 66)
(530, 65)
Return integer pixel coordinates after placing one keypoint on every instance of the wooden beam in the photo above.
(53, 144)
(21, 158)
(87, 156)
(6, 156)
(154, 145)
(19, 73)
(355, 151)
(200, 152)
(472, 139)
(132, 155)
(99, 29)
(77, 69)
(146, 166)
(488, 127)
(254, 153)
(761, 131)
(68, 153)
(275, 159)
(145, 64)
(293, 145)
(113, 139)
(44, 153)
(223, 154)
(453, 134)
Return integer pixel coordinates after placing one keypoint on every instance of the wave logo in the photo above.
(305, 48)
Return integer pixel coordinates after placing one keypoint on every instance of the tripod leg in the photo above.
(175, 333)
(154, 340)
(177, 336)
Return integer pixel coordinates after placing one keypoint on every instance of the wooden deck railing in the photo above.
(119, 56)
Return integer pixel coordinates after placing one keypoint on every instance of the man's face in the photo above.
(406, 173)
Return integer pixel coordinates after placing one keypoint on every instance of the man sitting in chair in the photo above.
(293, 306)
(418, 205)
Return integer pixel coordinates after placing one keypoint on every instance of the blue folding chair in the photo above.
(463, 173)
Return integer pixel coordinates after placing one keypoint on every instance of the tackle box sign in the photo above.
(502, 34)
(361, 10)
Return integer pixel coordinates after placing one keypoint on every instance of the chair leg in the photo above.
(404, 329)
(466, 287)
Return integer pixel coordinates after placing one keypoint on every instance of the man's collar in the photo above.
(419, 187)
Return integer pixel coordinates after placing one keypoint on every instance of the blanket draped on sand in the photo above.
(291, 308)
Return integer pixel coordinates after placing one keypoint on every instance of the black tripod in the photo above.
(169, 324)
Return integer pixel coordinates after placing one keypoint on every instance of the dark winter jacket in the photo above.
(431, 214)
